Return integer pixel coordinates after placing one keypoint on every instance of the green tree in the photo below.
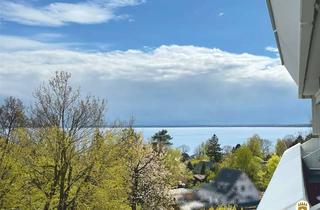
(12, 117)
(213, 149)
(267, 173)
(200, 150)
(177, 170)
(161, 140)
(10, 175)
(255, 144)
(190, 166)
(247, 162)
(272, 165)
(107, 187)
(64, 122)
(244, 160)
(280, 147)
(266, 148)
(236, 147)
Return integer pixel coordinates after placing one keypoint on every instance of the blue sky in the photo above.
(161, 61)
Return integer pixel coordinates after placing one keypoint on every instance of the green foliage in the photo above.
(255, 145)
(210, 175)
(178, 171)
(248, 158)
(247, 162)
(190, 166)
(123, 170)
(108, 188)
(198, 159)
(272, 164)
(12, 116)
(12, 175)
(161, 140)
(280, 147)
(244, 160)
(269, 168)
(63, 162)
(213, 149)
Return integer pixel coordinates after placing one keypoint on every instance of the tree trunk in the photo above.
(133, 206)
(62, 194)
(46, 207)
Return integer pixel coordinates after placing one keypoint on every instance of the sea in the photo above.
(228, 136)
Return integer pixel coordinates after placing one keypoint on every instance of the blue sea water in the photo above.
(194, 136)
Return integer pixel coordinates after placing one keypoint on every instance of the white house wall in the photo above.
(250, 191)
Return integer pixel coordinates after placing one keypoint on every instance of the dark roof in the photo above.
(225, 180)
(228, 175)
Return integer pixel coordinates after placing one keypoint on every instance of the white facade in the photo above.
(246, 191)
(286, 187)
(296, 25)
(242, 191)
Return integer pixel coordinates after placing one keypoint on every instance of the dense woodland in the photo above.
(54, 156)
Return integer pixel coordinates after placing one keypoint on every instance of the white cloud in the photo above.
(169, 84)
(48, 36)
(58, 14)
(120, 3)
(15, 43)
(272, 49)
(221, 14)
(161, 64)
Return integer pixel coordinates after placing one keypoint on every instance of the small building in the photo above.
(231, 186)
(199, 178)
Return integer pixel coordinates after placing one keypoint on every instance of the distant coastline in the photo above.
(223, 126)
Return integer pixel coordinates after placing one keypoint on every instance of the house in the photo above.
(231, 186)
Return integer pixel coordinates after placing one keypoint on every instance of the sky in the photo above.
(162, 62)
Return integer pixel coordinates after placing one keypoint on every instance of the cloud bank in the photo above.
(167, 62)
(170, 84)
(59, 13)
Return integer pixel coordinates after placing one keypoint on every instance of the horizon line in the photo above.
(218, 125)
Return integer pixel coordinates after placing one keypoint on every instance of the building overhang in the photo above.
(296, 26)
